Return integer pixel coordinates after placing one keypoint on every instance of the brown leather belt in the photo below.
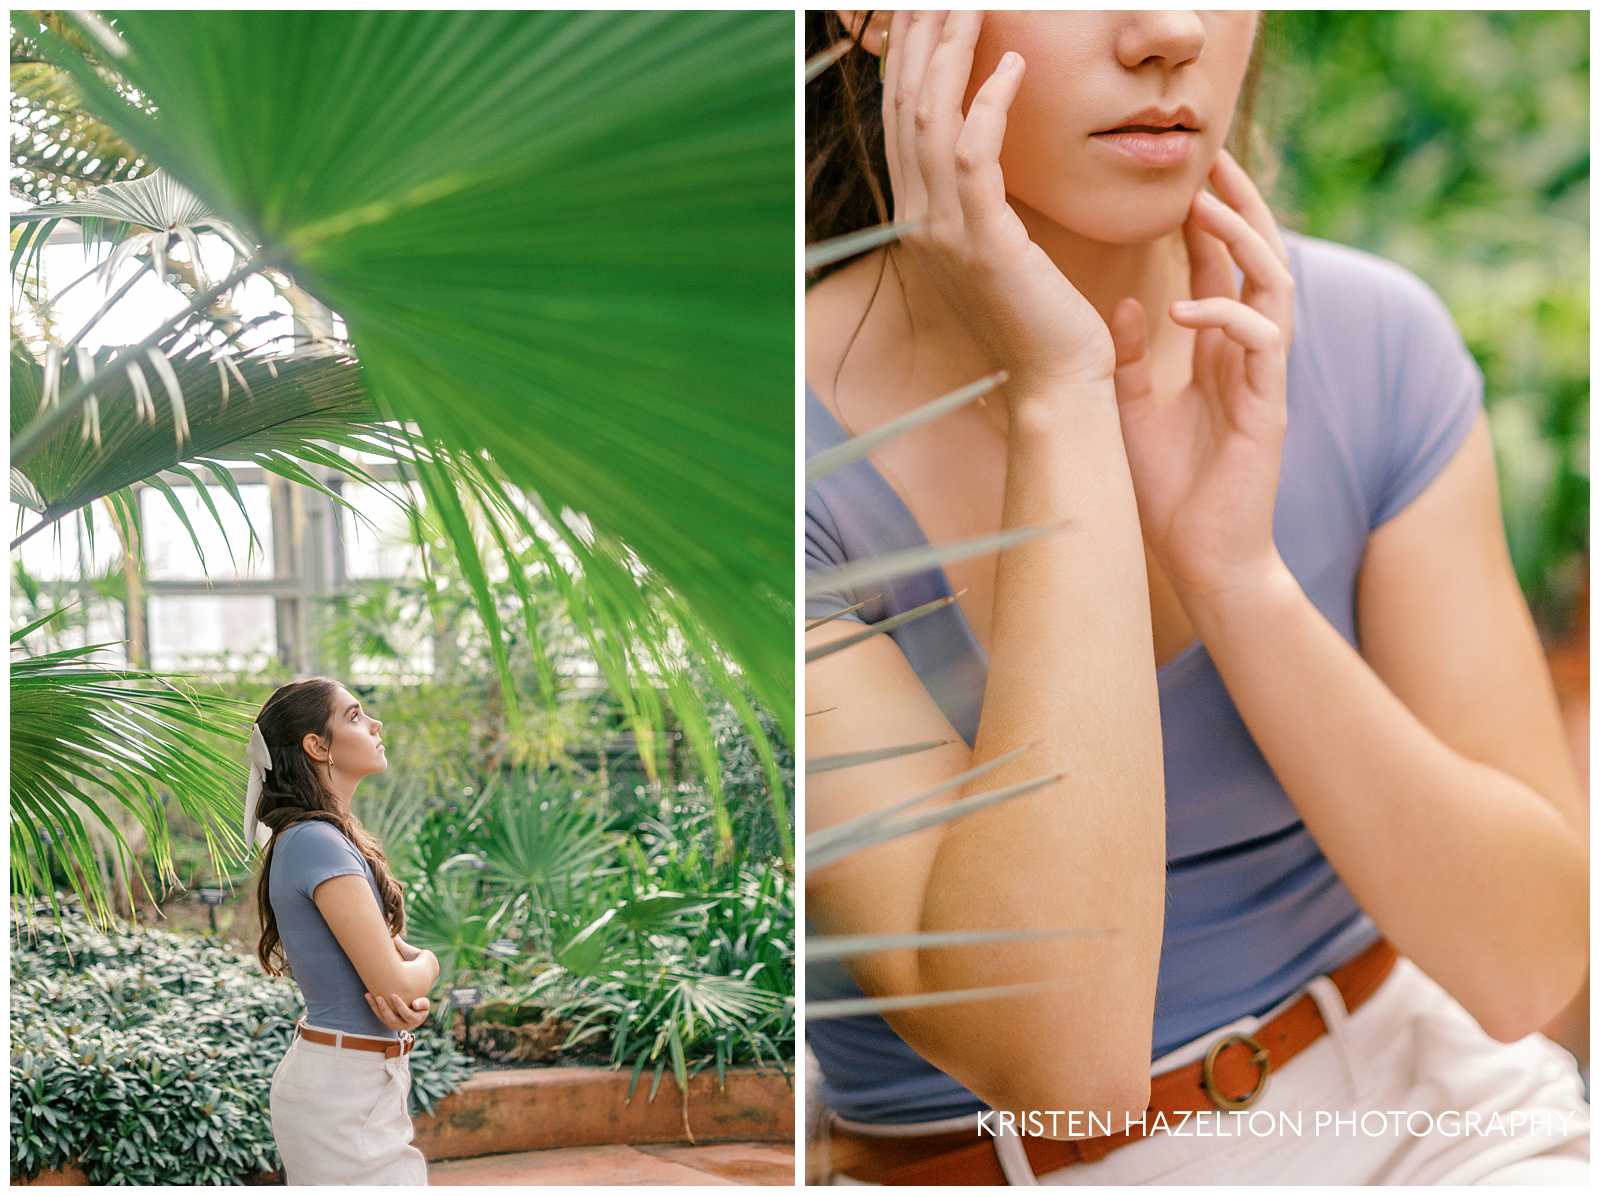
(390, 1049)
(1231, 1076)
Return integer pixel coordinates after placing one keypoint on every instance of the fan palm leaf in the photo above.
(568, 244)
(303, 415)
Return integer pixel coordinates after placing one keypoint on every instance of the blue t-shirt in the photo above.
(1381, 393)
(305, 855)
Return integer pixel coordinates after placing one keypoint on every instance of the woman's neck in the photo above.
(938, 352)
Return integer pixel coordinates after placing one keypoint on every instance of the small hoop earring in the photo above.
(883, 55)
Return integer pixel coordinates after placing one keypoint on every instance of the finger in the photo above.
(1210, 270)
(937, 118)
(921, 36)
(1268, 285)
(980, 182)
(1129, 337)
(420, 1004)
(1234, 184)
(899, 24)
(1261, 339)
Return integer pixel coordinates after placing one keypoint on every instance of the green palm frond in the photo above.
(542, 846)
(570, 249)
(394, 818)
(84, 735)
(304, 415)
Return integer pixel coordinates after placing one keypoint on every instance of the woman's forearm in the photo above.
(1071, 672)
(1467, 870)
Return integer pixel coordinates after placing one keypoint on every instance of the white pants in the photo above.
(339, 1116)
(1354, 1106)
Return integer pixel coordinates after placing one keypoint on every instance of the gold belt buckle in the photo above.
(1259, 1057)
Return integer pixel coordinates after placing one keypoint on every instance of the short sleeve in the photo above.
(824, 551)
(1434, 393)
(315, 852)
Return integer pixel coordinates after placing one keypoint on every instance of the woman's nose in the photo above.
(1170, 37)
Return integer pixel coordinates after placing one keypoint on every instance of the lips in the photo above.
(1157, 120)
(1153, 137)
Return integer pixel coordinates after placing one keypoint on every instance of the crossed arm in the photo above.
(386, 963)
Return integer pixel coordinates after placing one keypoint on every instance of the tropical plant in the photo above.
(627, 186)
(1457, 143)
(79, 727)
(554, 267)
(641, 945)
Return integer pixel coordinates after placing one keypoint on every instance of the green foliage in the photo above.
(683, 965)
(1457, 144)
(633, 936)
(87, 738)
(542, 287)
(147, 1057)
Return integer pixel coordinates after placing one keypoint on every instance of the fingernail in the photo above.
(1208, 200)
(1010, 60)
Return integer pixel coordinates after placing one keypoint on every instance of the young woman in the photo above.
(1321, 870)
(334, 915)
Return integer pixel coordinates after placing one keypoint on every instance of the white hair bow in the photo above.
(260, 764)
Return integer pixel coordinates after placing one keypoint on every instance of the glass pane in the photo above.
(62, 552)
(386, 552)
(144, 308)
(106, 626)
(169, 549)
(212, 632)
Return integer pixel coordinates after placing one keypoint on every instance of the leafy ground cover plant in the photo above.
(146, 1057)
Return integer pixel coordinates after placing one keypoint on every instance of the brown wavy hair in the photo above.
(294, 793)
(847, 174)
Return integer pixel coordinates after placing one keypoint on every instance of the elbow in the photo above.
(1056, 1101)
(1554, 974)
(1540, 1004)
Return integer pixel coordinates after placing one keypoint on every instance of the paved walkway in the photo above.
(674, 1165)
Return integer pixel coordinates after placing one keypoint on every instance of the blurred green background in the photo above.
(1457, 144)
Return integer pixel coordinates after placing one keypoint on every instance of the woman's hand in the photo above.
(407, 951)
(1205, 462)
(944, 169)
(393, 1011)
